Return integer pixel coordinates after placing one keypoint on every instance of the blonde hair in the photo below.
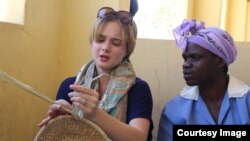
(129, 32)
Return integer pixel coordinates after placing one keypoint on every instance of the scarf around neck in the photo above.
(114, 99)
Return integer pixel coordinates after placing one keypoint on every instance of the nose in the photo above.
(187, 63)
(106, 46)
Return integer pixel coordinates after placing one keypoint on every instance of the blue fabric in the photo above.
(183, 111)
(140, 103)
(133, 7)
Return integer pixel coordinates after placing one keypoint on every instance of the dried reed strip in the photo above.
(8, 78)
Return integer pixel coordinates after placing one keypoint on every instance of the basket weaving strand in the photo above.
(11, 80)
(61, 128)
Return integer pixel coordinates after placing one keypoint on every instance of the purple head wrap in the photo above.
(213, 39)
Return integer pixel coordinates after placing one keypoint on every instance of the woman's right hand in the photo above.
(55, 110)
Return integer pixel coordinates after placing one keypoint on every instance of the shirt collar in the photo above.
(236, 88)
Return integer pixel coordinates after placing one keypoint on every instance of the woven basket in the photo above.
(67, 128)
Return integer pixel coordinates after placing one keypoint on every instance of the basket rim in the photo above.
(42, 133)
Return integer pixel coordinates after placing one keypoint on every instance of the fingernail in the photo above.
(69, 94)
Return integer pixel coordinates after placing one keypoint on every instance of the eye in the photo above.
(100, 39)
(196, 57)
(117, 42)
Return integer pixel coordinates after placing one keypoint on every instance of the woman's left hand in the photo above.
(86, 99)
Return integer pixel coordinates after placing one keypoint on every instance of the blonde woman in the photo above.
(118, 102)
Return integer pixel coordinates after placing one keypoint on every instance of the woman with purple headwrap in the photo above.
(212, 97)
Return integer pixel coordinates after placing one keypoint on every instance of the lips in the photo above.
(187, 75)
(104, 58)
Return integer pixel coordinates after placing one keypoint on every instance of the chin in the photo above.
(191, 83)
